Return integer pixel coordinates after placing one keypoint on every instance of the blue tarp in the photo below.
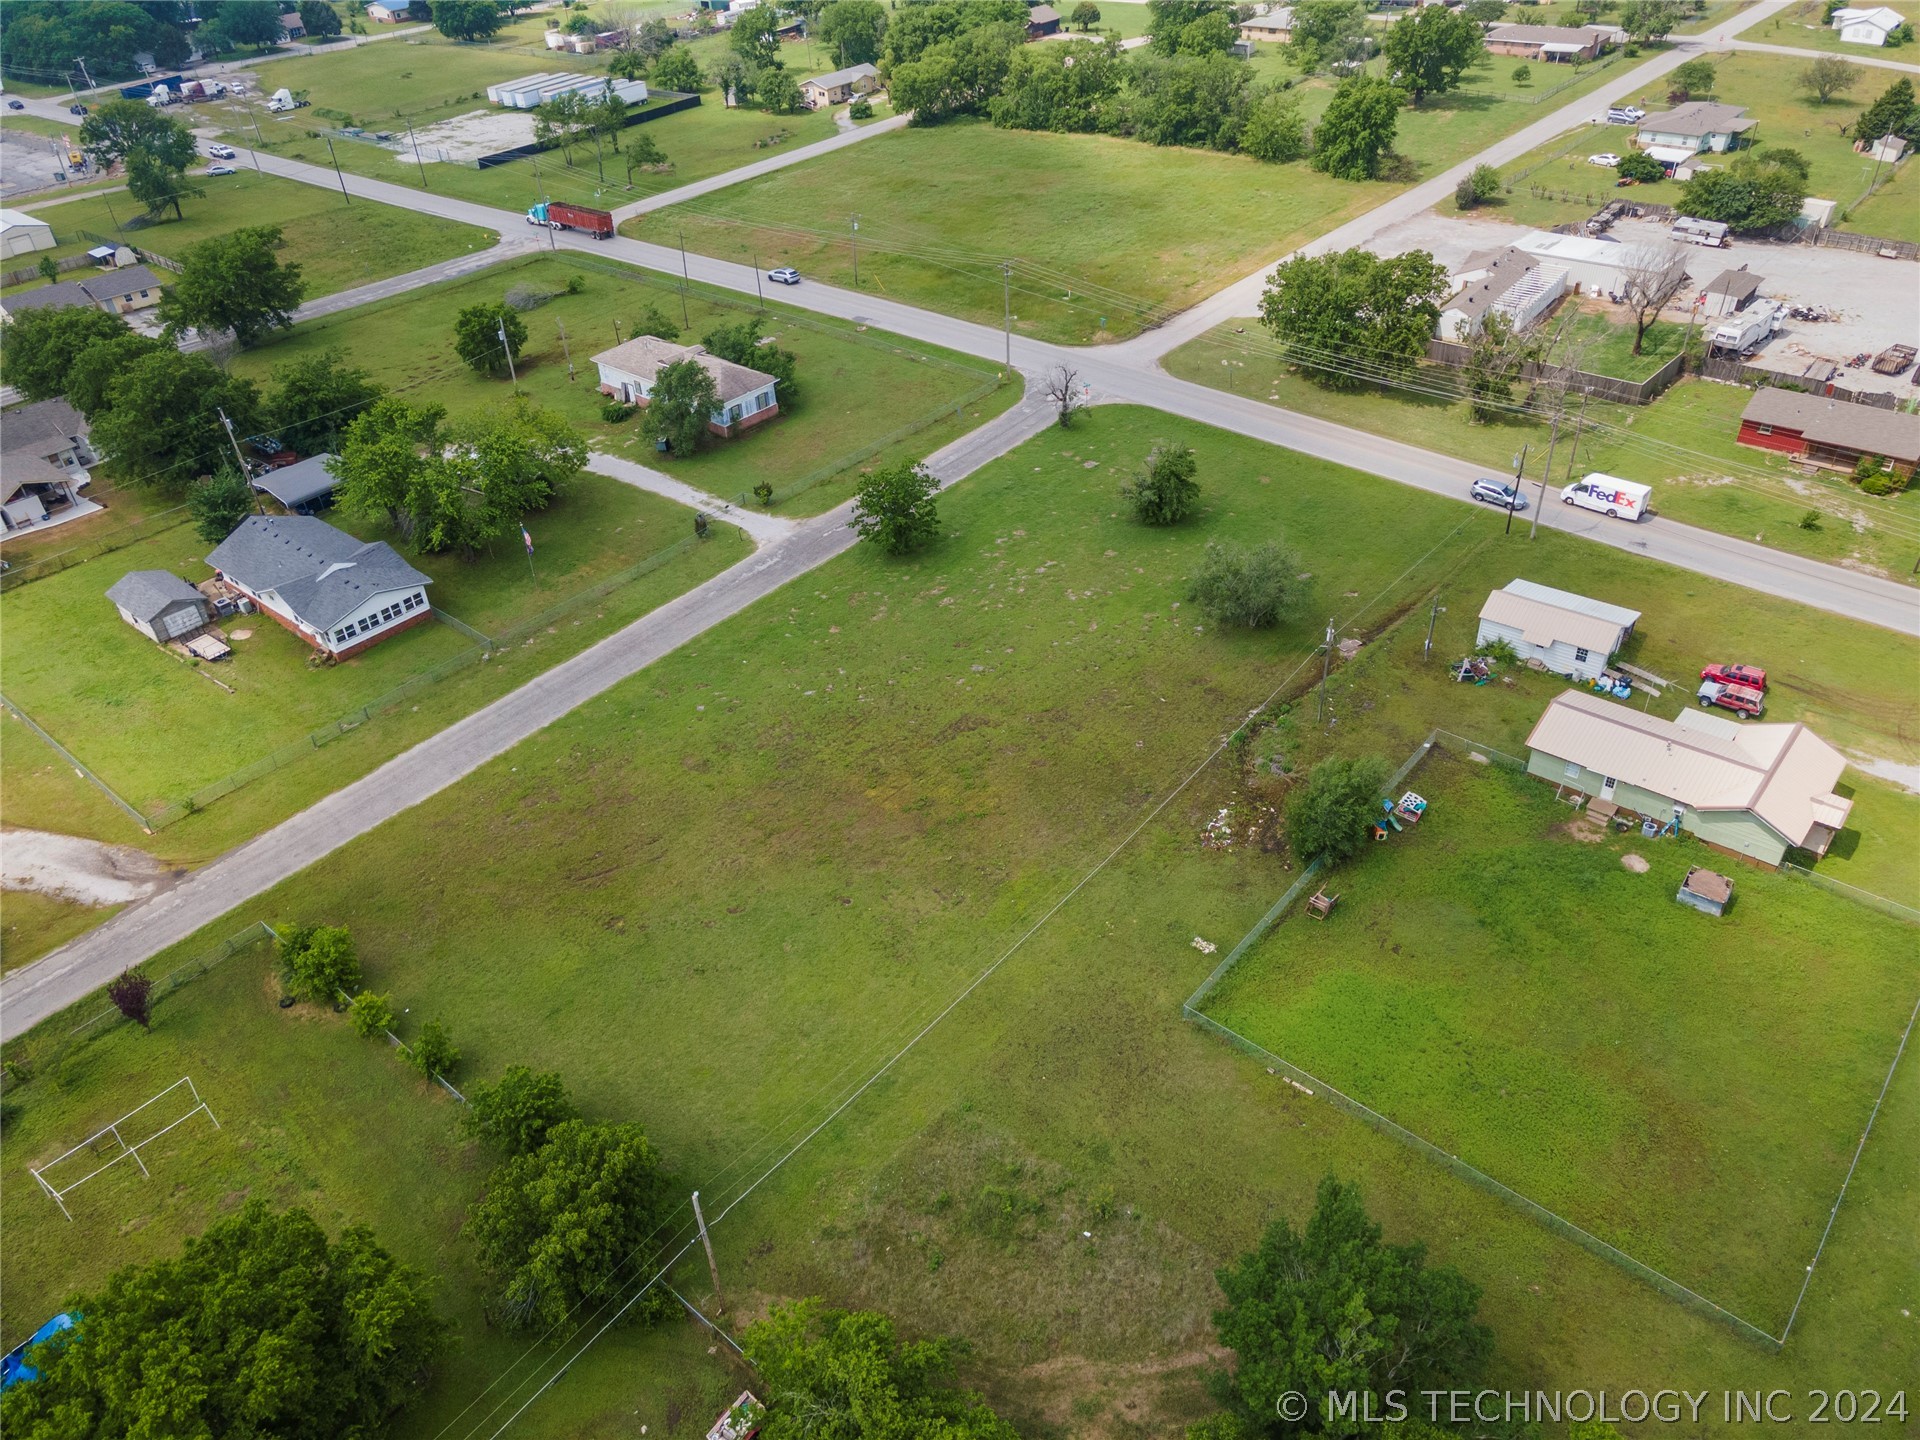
(14, 1368)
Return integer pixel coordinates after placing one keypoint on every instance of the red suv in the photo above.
(1743, 700)
(1752, 676)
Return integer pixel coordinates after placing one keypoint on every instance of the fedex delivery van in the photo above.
(1609, 495)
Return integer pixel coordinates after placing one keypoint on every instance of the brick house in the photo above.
(339, 594)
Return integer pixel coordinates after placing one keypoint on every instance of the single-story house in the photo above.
(1731, 290)
(44, 455)
(304, 486)
(118, 292)
(161, 606)
(1747, 788)
(1274, 27)
(1507, 282)
(1548, 42)
(1570, 634)
(389, 12)
(338, 593)
(1830, 432)
(1597, 266)
(628, 370)
(22, 234)
(1696, 127)
(292, 27)
(837, 87)
(1867, 27)
(1042, 20)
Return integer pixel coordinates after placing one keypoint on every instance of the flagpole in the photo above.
(526, 538)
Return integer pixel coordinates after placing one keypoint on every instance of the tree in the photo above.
(1523, 74)
(1276, 130)
(477, 337)
(381, 454)
(1326, 32)
(676, 70)
(1753, 193)
(561, 121)
(319, 963)
(48, 267)
(466, 19)
(683, 403)
(1064, 88)
(1163, 491)
(318, 19)
(1351, 317)
(42, 38)
(219, 503)
(317, 397)
(655, 321)
(242, 22)
(1085, 16)
(1696, 77)
(233, 282)
(1639, 166)
(1496, 355)
(131, 992)
(1065, 392)
(489, 472)
(38, 347)
(161, 419)
(958, 76)
(1191, 100)
(894, 508)
(1332, 817)
(95, 370)
(114, 130)
(1356, 131)
(1485, 12)
(158, 186)
(1653, 272)
(1477, 186)
(371, 1014)
(742, 344)
(433, 1053)
(258, 1327)
(1827, 77)
(1333, 1308)
(1893, 113)
(855, 30)
(847, 1374)
(755, 36)
(1244, 587)
(518, 1111)
(778, 91)
(1648, 21)
(1430, 50)
(580, 1213)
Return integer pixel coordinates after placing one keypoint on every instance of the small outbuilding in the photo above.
(1732, 290)
(22, 234)
(1042, 21)
(161, 606)
(1569, 634)
(304, 486)
(1706, 890)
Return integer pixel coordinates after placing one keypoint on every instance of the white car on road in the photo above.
(221, 152)
(1605, 157)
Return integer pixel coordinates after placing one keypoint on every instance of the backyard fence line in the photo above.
(29, 571)
(147, 256)
(1853, 892)
(1873, 244)
(64, 264)
(73, 760)
(1604, 387)
(1315, 1087)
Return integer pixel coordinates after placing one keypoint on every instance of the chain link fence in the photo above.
(74, 760)
(28, 571)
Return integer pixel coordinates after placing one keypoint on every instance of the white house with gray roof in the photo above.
(160, 605)
(628, 372)
(338, 593)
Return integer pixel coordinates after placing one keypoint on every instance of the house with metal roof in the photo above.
(1867, 26)
(1572, 635)
(1834, 433)
(338, 593)
(1506, 282)
(628, 372)
(304, 486)
(160, 605)
(1695, 127)
(1747, 788)
(22, 234)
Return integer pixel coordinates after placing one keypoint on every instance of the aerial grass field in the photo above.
(336, 245)
(855, 388)
(719, 896)
(1513, 993)
(1684, 442)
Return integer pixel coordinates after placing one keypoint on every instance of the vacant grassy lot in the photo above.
(1514, 994)
(855, 389)
(336, 245)
(1684, 441)
(719, 895)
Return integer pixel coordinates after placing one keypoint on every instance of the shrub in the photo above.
(1878, 485)
(616, 411)
(433, 1053)
(1642, 167)
(530, 297)
(860, 109)
(517, 1113)
(1500, 650)
(1810, 520)
(372, 1014)
(576, 284)
(320, 963)
(1866, 467)
(1334, 812)
(1481, 184)
(132, 995)
(1251, 588)
(1163, 491)
(763, 494)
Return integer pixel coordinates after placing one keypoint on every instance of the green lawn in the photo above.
(337, 246)
(1684, 442)
(1515, 995)
(1604, 345)
(855, 390)
(32, 924)
(719, 895)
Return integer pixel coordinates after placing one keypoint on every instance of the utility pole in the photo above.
(1573, 451)
(853, 238)
(416, 155)
(1519, 469)
(719, 1303)
(501, 330)
(336, 170)
(567, 349)
(684, 280)
(1432, 616)
(1326, 663)
(1006, 307)
(1546, 470)
(761, 294)
(233, 440)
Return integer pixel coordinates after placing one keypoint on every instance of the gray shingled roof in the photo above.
(43, 428)
(146, 594)
(107, 285)
(57, 296)
(300, 482)
(834, 79)
(1699, 117)
(321, 573)
(1840, 423)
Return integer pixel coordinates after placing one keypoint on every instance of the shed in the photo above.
(22, 234)
(304, 486)
(159, 605)
(1733, 290)
(1705, 890)
(1042, 20)
(1569, 634)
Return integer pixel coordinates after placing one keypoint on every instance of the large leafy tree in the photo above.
(1326, 32)
(117, 128)
(466, 19)
(95, 370)
(677, 70)
(242, 22)
(742, 344)
(1356, 130)
(777, 91)
(219, 503)
(1894, 112)
(958, 76)
(1334, 812)
(488, 474)
(1169, 22)
(1276, 130)
(380, 455)
(318, 19)
(894, 508)
(158, 186)
(846, 1374)
(1333, 1307)
(1164, 491)
(1430, 50)
(577, 1217)
(234, 282)
(854, 30)
(1647, 21)
(1064, 88)
(1352, 317)
(1756, 192)
(477, 332)
(755, 36)
(162, 422)
(1198, 100)
(517, 1112)
(1247, 588)
(317, 397)
(42, 39)
(38, 347)
(684, 400)
(260, 1327)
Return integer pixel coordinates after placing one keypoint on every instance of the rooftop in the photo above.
(1700, 117)
(1739, 284)
(1838, 422)
(644, 356)
(300, 482)
(41, 429)
(1579, 36)
(1541, 623)
(321, 573)
(143, 594)
(834, 79)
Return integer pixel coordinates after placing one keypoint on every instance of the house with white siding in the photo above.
(1506, 282)
(1867, 26)
(161, 606)
(340, 594)
(628, 372)
(1570, 634)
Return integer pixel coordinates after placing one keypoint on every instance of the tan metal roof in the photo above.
(1585, 604)
(1543, 624)
(644, 356)
(1783, 774)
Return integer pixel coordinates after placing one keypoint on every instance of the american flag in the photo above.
(526, 539)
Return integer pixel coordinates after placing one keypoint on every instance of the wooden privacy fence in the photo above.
(1604, 387)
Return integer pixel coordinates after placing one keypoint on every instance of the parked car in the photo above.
(1743, 700)
(222, 152)
(1498, 492)
(1751, 676)
(1605, 157)
(221, 170)
(76, 109)
(785, 275)
(1625, 115)
(16, 105)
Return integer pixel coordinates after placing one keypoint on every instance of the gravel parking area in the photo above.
(28, 162)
